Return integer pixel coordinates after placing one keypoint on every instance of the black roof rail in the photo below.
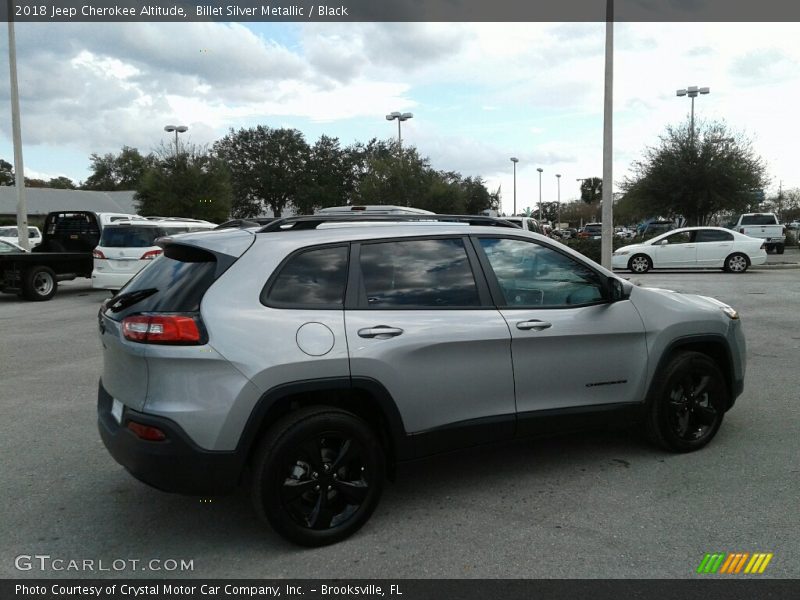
(313, 221)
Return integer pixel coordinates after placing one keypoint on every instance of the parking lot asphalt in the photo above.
(604, 504)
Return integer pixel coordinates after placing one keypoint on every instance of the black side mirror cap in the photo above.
(617, 289)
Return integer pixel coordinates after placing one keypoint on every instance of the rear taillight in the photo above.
(151, 254)
(162, 329)
(98, 254)
(147, 432)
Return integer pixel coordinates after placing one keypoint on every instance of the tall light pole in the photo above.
(400, 117)
(608, 137)
(558, 181)
(540, 193)
(16, 126)
(692, 91)
(177, 129)
(515, 160)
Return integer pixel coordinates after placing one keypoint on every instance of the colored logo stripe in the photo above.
(733, 562)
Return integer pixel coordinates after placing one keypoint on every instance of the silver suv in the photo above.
(307, 357)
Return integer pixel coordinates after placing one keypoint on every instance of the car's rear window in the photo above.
(175, 282)
(130, 236)
(759, 220)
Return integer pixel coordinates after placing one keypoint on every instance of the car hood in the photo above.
(687, 300)
(634, 247)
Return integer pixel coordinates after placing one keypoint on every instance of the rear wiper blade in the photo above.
(123, 301)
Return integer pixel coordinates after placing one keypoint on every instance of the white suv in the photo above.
(127, 246)
(307, 358)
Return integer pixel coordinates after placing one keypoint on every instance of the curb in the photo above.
(776, 267)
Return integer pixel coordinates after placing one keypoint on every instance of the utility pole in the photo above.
(16, 126)
(608, 103)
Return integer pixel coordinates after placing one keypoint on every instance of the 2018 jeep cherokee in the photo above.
(312, 354)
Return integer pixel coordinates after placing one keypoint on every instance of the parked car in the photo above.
(693, 247)
(6, 246)
(313, 356)
(9, 234)
(624, 233)
(526, 223)
(126, 247)
(651, 228)
(591, 231)
(765, 226)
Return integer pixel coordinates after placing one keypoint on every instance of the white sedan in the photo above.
(693, 247)
(9, 234)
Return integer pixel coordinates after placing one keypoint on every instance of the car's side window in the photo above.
(312, 279)
(530, 274)
(712, 235)
(682, 237)
(418, 274)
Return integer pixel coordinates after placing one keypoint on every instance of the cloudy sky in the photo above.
(480, 93)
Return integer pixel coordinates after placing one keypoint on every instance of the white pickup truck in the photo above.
(764, 226)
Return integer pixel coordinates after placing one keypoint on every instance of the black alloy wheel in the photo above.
(318, 475)
(325, 483)
(688, 403)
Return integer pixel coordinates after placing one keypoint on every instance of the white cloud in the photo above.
(480, 92)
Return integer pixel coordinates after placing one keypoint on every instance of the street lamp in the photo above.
(400, 118)
(692, 91)
(540, 169)
(177, 129)
(515, 160)
(558, 182)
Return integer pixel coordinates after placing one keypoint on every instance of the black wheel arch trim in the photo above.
(690, 342)
(279, 400)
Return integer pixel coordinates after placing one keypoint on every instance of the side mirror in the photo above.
(616, 290)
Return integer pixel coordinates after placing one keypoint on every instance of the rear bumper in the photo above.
(173, 465)
(109, 280)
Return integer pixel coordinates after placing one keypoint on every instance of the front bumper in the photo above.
(173, 465)
(620, 261)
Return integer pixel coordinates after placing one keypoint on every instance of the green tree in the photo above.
(267, 168)
(383, 178)
(549, 211)
(577, 212)
(696, 177)
(477, 197)
(193, 184)
(61, 183)
(331, 177)
(113, 172)
(6, 173)
(592, 190)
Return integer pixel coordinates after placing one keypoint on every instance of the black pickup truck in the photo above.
(64, 254)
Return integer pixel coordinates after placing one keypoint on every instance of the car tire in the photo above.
(737, 263)
(39, 284)
(640, 263)
(684, 422)
(297, 486)
(779, 249)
